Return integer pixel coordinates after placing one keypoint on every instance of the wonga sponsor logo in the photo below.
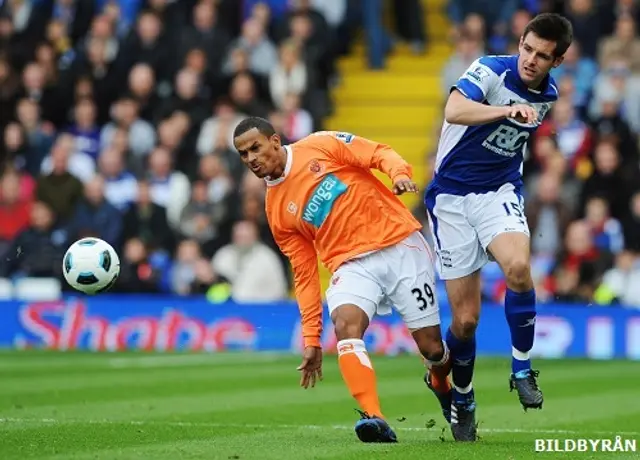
(67, 326)
(322, 199)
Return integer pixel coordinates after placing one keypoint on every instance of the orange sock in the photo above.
(439, 372)
(357, 372)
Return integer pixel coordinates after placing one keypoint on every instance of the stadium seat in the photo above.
(37, 289)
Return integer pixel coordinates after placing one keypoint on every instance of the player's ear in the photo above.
(276, 140)
(557, 61)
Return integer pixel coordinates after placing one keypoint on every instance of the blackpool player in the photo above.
(323, 200)
(475, 203)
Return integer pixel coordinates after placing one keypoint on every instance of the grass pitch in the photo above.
(248, 406)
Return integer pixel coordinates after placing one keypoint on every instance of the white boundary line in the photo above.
(291, 426)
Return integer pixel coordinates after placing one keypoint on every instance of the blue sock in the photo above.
(463, 356)
(520, 308)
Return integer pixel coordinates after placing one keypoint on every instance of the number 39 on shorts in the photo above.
(424, 296)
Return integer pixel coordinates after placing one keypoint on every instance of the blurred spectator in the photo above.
(201, 219)
(574, 136)
(468, 49)
(14, 211)
(582, 70)
(623, 45)
(169, 189)
(409, 22)
(183, 273)
(609, 126)
(147, 221)
(74, 16)
(580, 265)
(142, 87)
(95, 216)
(298, 121)
(610, 180)
(243, 95)
(606, 231)
(125, 114)
(26, 184)
(15, 149)
(289, 75)
(35, 88)
(614, 86)
(206, 33)
(59, 188)
(216, 179)
(39, 134)
(587, 25)
(186, 99)
(496, 14)
(77, 163)
(252, 268)
(218, 128)
(149, 46)
(548, 216)
(137, 275)
(85, 128)
(37, 250)
(621, 284)
(121, 187)
(261, 51)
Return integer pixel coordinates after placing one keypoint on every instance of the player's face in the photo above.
(261, 154)
(536, 59)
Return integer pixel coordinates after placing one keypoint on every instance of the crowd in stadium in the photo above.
(117, 116)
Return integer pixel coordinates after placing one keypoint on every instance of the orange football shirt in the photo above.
(329, 204)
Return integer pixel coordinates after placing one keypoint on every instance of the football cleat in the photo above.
(443, 398)
(374, 429)
(525, 382)
(463, 419)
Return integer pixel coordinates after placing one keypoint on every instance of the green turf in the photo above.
(248, 406)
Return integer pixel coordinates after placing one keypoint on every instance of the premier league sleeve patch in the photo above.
(478, 74)
(347, 138)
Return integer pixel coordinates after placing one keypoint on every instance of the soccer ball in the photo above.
(91, 265)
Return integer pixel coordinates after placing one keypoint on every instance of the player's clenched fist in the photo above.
(403, 185)
(311, 367)
(522, 113)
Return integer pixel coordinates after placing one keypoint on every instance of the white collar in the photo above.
(287, 168)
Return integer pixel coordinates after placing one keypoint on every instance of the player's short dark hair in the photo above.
(552, 27)
(263, 126)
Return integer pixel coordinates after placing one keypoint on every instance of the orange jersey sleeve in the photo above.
(367, 154)
(304, 262)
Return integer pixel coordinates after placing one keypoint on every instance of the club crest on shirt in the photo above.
(292, 208)
(315, 167)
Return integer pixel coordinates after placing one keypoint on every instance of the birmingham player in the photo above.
(475, 203)
(323, 200)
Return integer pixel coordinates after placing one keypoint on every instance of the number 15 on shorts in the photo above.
(514, 210)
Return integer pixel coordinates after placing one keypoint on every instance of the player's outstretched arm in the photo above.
(367, 154)
(461, 110)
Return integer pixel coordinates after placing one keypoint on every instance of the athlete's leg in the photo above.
(353, 299)
(464, 298)
(351, 322)
(460, 258)
(503, 231)
(512, 252)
